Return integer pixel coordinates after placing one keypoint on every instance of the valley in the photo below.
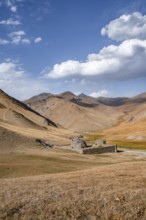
(35, 175)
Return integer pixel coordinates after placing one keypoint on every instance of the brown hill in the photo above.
(86, 114)
(39, 97)
(21, 126)
(76, 113)
(17, 112)
(132, 125)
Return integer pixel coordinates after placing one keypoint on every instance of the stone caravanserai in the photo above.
(79, 144)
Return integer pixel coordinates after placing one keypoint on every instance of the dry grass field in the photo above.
(107, 193)
(32, 162)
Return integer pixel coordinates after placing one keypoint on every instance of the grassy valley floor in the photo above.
(115, 192)
(58, 183)
(42, 161)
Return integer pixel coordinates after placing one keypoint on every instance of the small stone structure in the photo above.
(100, 146)
(78, 143)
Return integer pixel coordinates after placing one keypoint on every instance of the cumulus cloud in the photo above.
(116, 62)
(125, 27)
(10, 70)
(10, 21)
(16, 81)
(38, 40)
(124, 61)
(100, 93)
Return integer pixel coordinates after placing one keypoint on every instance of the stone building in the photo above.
(100, 146)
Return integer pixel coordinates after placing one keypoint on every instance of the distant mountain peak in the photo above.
(39, 97)
(67, 95)
(82, 94)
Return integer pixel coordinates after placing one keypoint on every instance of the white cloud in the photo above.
(17, 33)
(102, 93)
(25, 41)
(15, 81)
(118, 62)
(124, 61)
(126, 27)
(11, 5)
(10, 70)
(18, 38)
(10, 22)
(64, 69)
(38, 40)
(13, 8)
(4, 42)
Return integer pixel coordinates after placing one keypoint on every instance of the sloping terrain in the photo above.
(21, 126)
(124, 117)
(132, 125)
(108, 192)
(76, 113)
(20, 112)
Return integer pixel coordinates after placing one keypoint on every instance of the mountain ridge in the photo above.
(83, 113)
(109, 101)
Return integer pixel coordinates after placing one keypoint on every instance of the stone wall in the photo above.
(99, 150)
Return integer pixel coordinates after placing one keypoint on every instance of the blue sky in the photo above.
(90, 46)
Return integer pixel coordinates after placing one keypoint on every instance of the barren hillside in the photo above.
(21, 126)
(76, 113)
(86, 114)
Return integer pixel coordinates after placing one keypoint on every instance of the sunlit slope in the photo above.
(21, 126)
(15, 112)
(131, 126)
(75, 114)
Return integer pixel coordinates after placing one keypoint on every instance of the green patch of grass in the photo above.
(93, 137)
(130, 144)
